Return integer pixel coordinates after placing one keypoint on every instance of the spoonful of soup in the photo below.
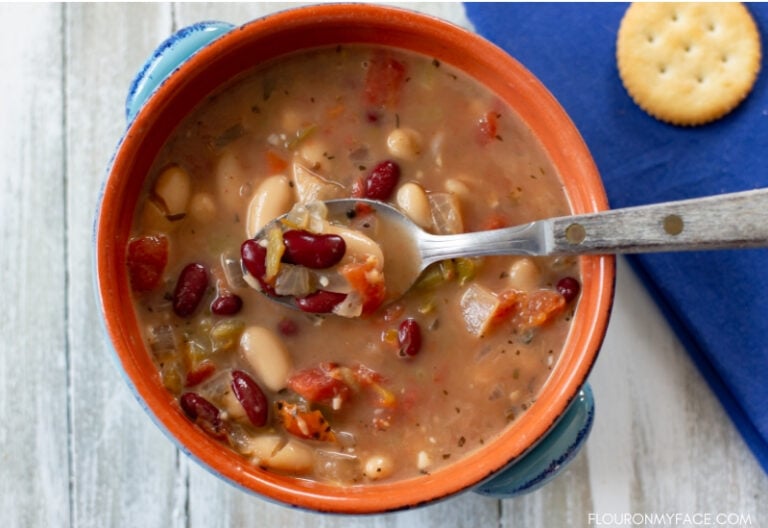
(351, 256)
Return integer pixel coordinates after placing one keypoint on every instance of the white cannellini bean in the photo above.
(294, 457)
(524, 274)
(404, 143)
(275, 452)
(358, 245)
(272, 198)
(202, 207)
(262, 446)
(378, 467)
(173, 187)
(267, 355)
(413, 201)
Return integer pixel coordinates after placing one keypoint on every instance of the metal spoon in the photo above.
(736, 220)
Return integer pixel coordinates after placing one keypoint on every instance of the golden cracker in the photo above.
(688, 63)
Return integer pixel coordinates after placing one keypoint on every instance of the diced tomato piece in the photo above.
(509, 302)
(384, 81)
(319, 384)
(488, 126)
(303, 423)
(368, 281)
(146, 260)
(276, 164)
(529, 310)
(200, 373)
(540, 307)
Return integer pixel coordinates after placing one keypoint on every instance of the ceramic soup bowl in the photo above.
(196, 61)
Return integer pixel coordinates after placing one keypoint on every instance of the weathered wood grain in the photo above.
(124, 470)
(34, 459)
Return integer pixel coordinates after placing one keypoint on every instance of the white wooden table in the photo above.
(76, 450)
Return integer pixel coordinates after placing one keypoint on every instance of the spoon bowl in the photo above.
(727, 221)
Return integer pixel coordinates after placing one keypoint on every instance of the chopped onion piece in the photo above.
(446, 214)
(296, 281)
(297, 217)
(309, 216)
(318, 214)
(334, 282)
(341, 468)
(311, 187)
(216, 387)
(478, 305)
(161, 339)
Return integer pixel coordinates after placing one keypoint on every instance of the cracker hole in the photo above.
(687, 48)
(675, 17)
(650, 39)
(662, 68)
(711, 27)
(724, 58)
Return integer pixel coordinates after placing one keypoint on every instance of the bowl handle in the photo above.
(550, 456)
(167, 57)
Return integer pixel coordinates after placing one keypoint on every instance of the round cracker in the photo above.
(688, 63)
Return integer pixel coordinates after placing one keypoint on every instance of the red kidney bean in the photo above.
(203, 413)
(190, 288)
(251, 397)
(254, 257)
(320, 302)
(312, 250)
(381, 181)
(226, 304)
(568, 287)
(409, 338)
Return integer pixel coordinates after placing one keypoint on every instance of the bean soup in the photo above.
(349, 388)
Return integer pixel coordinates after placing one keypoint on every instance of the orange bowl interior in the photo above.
(283, 33)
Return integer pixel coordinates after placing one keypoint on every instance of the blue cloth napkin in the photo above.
(717, 302)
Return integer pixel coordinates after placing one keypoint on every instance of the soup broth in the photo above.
(408, 386)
